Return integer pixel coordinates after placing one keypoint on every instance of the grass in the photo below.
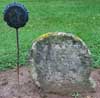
(80, 17)
(75, 95)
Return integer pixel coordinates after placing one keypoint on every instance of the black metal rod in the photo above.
(17, 45)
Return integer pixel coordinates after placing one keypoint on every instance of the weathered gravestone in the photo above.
(61, 64)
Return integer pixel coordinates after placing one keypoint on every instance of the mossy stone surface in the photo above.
(61, 63)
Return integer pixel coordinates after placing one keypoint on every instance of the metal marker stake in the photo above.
(17, 45)
(16, 16)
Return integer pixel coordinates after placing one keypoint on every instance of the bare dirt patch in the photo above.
(8, 85)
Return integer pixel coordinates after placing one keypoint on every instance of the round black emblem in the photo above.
(16, 15)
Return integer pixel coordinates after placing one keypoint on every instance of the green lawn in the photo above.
(81, 17)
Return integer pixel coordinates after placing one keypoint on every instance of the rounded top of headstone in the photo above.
(60, 62)
(60, 36)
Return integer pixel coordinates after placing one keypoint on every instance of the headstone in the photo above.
(61, 64)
